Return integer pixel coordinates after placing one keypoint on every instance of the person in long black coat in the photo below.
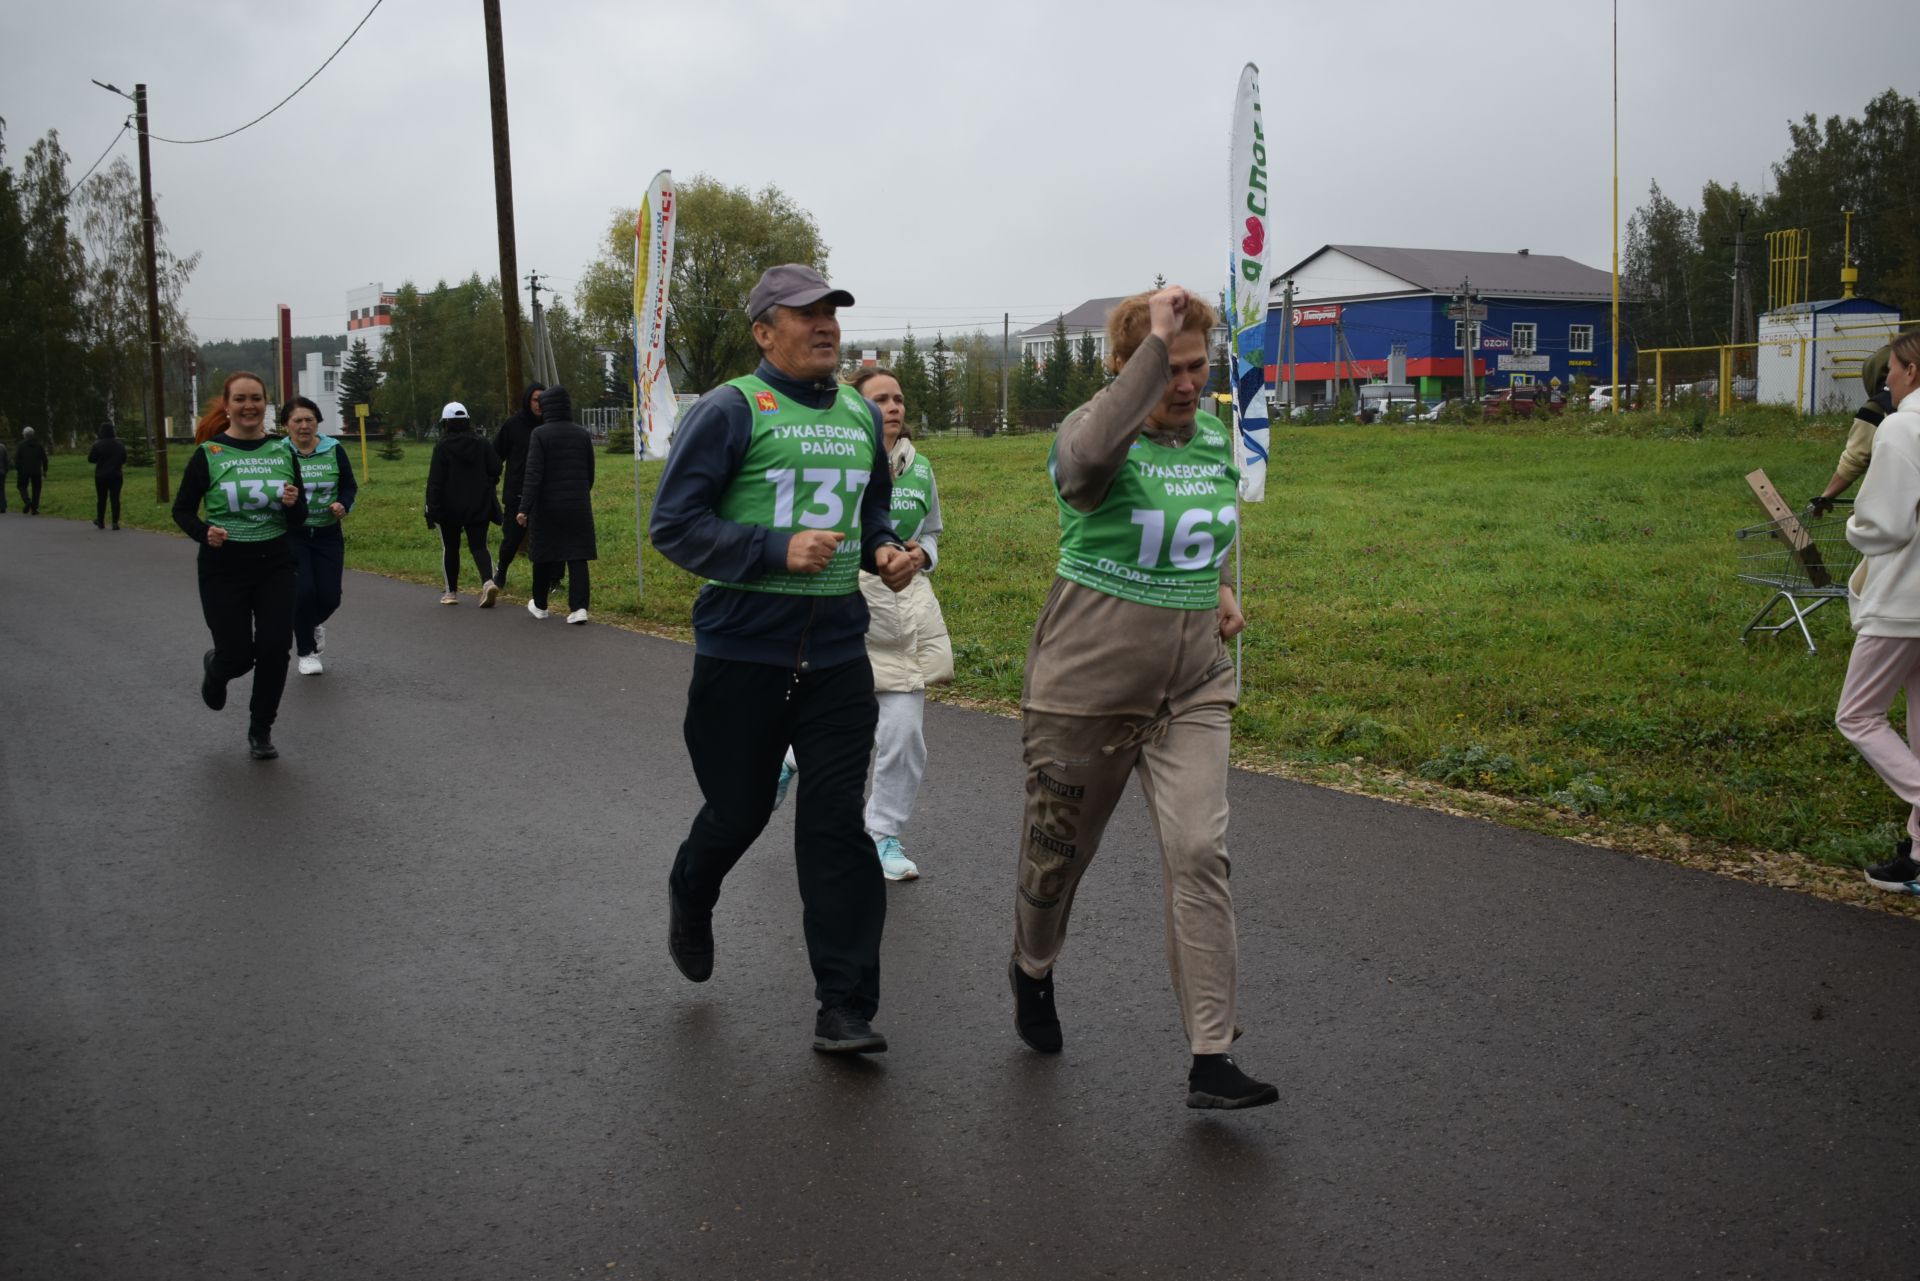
(109, 459)
(30, 466)
(556, 504)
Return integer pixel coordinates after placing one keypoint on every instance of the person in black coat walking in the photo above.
(510, 447)
(30, 461)
(460, 499)
(5, 465)
(556, 504)
(109, 459)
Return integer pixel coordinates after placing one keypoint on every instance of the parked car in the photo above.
(1521, 402)
(1601, 398)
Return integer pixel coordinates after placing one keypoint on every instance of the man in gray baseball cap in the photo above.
(792, 284)
(778, 492)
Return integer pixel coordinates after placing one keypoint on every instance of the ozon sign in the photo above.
(1327, 315)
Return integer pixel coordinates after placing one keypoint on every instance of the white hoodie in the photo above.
(1884, 593)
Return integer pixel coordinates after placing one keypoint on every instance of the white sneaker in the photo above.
(535, 610)
(577, 616)
(310, 665)
(489, 593)
(449, 598)
(319, 639)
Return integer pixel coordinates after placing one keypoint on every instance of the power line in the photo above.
(192, 142)
(124, 126)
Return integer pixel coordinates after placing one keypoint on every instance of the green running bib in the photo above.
(243, 488)
(1165, 527)
(804, 469)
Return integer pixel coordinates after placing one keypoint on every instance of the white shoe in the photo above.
(577, 616)
(449, 598)
(310, 665)
(489, 593)
(535, 610)
(319, 639)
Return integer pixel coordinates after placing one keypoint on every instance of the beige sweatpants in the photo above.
(1077, 767)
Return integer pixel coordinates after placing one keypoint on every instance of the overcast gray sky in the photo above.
(962, 159)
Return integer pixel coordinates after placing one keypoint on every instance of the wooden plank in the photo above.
(1788, 529)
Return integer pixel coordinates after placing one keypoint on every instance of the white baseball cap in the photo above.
(454, 409)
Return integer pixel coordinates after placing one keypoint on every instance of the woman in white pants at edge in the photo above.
(1884, 599)
(906, 637)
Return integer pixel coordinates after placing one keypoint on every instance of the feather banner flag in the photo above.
(1249, 231)
(654, 408)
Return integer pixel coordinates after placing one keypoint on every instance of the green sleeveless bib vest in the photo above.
(912, 497)
(1166, 525)
(320, 475)
(804, 469)
(243, 488)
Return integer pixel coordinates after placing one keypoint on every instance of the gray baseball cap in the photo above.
(793, 284)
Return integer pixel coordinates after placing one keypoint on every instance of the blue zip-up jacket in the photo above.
(798, 632)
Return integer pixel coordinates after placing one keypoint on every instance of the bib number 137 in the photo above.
(1194, 541)
(258, 496)
(825, 508)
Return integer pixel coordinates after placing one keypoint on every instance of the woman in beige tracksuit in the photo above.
(906, 635)
(1128, 673)
(1884, 598)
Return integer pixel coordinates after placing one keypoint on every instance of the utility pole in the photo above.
(1006, 330)
(1739, 271)
(503, 198)
(1466, 313)
(156, 366)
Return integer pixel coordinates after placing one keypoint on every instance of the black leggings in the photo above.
(104, 489)
(512, 534)
(246, 594)
(476, 543)
(544, 574)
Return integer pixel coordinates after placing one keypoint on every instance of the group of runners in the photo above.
(804, 504)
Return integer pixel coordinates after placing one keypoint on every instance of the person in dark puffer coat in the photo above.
(109, 459)
(556, 504)
(460, 500)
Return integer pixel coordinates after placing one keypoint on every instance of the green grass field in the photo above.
(1537, 611)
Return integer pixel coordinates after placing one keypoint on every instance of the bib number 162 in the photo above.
(1194, 542)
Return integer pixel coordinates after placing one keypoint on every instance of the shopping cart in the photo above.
(1806, 559)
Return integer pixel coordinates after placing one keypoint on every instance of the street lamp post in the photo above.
(162, 489)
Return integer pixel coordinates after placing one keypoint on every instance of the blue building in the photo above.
(1547, 318)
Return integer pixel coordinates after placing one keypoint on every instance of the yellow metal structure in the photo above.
(1787, 270)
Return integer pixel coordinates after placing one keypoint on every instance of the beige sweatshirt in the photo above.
(1094, 654)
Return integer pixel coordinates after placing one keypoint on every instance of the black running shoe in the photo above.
(1900, 874)
(213, 690)
(841, 1031)
(1216, 1081)
(1033, 1015)
(689, 939)
(260, 745)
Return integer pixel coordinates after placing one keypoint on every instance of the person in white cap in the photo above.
(461, 481)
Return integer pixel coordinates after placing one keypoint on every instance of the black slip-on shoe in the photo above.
(1900, 874)
(841, 1031)
(260, 745)
(689, 940)
(1033, 1015)
(1216, 1081)
(213, 690)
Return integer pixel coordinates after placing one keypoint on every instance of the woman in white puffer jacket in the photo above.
(1884, 598)
(906, 637)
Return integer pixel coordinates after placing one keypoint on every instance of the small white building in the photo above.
(320, 383)
(1810, 352)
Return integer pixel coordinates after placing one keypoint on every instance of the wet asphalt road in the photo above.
(399, 1005)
